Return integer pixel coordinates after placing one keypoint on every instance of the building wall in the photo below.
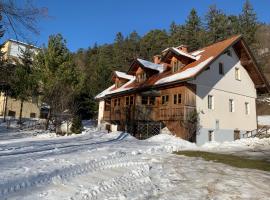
(101, 108)
(223, 88)
(14, 105)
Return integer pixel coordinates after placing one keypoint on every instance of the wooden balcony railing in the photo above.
(147, 113)
(176, 113)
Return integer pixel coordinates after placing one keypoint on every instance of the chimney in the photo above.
(183, 48)
(157, 59)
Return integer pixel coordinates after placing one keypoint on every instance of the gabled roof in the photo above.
(123, 75)
(203, 58)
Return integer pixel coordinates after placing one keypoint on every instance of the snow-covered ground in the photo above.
(264, 120)
(116, 166)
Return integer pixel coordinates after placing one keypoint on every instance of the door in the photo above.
(236, 134)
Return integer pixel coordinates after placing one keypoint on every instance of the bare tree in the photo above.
(21, 18)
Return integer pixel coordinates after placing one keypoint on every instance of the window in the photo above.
(11, 113)
(141, 77)
(221, 69)
(152, 100)
(146, 100)
(237, 74)
(32, 115)
(176, 65)
(210, 135)
(164, 99)
(115, 102)
(247, 108)
(129, 100)
(231, 105)
(210, 102)
(177, 98)
(228, 52)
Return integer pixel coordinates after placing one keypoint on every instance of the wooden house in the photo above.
(201, 96)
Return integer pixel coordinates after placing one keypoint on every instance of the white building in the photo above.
(220, 82)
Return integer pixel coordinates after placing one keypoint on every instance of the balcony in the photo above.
(176, 113)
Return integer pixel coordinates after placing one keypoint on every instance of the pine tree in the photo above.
(58, 75)
(248, 22)
(153, 43)
(24, 82)
(192, 30)
(217, 24)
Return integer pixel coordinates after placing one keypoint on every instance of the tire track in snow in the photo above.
(123, 160)
(131, 181)
(53, 147)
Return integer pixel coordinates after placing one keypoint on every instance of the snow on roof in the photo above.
(198, 52)
(23, 43)
(120, 89)
(186, 73)
(151, 65)
(123, 75)
(184, 53)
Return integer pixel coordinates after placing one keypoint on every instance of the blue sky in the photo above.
(84, 22)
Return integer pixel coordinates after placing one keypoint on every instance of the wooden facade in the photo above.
(171, 106)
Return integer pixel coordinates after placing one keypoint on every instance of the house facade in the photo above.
(12, 50)
(205, 95)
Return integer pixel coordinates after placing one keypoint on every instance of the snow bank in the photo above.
(238, 145)
(171, 142)
(264, 120)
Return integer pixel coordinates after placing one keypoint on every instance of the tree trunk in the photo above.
(5, 110)
(21, 108)
(48, 119)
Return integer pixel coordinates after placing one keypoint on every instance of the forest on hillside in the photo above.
(98, 62)
(70, 81)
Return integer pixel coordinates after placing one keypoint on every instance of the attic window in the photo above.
(221, 69)
(176, 65)
(228, 52)
(141, 77)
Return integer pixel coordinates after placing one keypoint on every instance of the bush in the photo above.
(77, 126)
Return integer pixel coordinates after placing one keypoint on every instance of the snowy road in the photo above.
(116, 166)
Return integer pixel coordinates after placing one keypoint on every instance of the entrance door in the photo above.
(236, 134)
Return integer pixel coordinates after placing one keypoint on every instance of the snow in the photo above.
(185, 74)
(123, 75)
(196, 53)
(184, 53)
(151, 65)
(120, 89)
(264, 120)
(101, 165)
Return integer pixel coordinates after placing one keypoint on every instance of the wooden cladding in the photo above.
(171, 104)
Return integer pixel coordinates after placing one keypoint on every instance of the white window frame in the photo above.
(210, 106)
(237, 74)
(231, 105)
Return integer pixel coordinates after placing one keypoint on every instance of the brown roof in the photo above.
(209, 53)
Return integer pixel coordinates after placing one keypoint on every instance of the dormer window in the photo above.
(176, 65)
(141, 77)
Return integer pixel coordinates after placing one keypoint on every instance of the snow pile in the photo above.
(238, 145)
(264, 120)
(171, 143)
